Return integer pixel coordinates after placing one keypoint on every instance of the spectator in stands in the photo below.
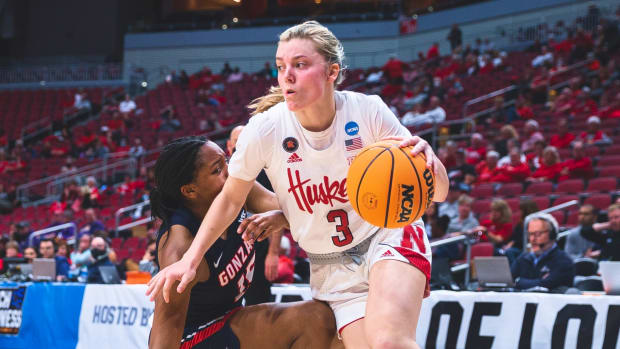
(498, 228)
(92, 224)
(99, 253)
(30, 254)
(411, 116)
(393, 70)
(577, 246)
(507, 134)
(433, 51)
(487, 170)
(550, 168)
(235, 76)
(12, 249)
(81, 259)
(47, 249)
(232, 140)
(563, 138)
(532, 135)
(545, 56)
(136, 150)
(450, 207)
(148, 260)
(170, 122)
(580, 166)
(267, 72)
(440, 227)
(90, 193)
(594, 135)
(477, 151)
(226, 70)
(465, 221)
(455, 37)
(547, 265)
(183, 79)
(462, 171)
(6, 206)
(19, 232)
(515, 171)
(606, 235)
(435, 114)
(514, 247)
(127, 106)
(81, 101)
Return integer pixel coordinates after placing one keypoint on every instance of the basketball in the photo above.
(387, 186)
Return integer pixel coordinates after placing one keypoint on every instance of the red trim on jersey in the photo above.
(420, 262)
(342, 328)
(208, 331)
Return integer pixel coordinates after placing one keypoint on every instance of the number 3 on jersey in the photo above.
(346, 237)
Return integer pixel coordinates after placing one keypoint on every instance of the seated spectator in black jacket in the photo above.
(99, 253)
(606, 235)
(547, 265)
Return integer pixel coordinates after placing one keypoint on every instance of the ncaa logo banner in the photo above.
(114, 317)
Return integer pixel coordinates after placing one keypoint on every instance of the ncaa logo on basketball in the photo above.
(406, 202)
(351, 128)
(290, 144)
(370, 200)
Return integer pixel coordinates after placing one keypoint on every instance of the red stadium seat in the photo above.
(559, 216)
(571, 186)
(609, 171)
(572, 218)
(510, 189)
(481, 206)
(481, 249)
(600, 201)
(539, 188)
(513, 203)
(484, 190)
(564, 198)
(606, 184)
(608, 160)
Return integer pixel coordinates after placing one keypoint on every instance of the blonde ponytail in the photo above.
(267, 101)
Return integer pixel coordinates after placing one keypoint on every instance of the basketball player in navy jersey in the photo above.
(189, 173)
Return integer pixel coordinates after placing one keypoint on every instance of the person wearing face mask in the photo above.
(546, 265)
(99, 253)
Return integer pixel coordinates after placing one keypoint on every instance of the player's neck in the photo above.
(318, 116)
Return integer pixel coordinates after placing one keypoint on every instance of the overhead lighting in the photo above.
(237, 0)
(224, 26)
(317, 1)
(235, 20)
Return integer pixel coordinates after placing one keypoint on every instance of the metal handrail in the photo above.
(453, 240)
(120, 211)
(485, 97)
(564, 71)
(50, 230)
(134, 224)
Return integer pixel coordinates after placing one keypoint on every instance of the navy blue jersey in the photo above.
(231, 267)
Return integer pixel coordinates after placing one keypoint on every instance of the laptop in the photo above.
(493, 272)
(44, 269)
(610, 273)
(109, 274)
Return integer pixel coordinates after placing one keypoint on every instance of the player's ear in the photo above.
(189, 191)
(333, 71)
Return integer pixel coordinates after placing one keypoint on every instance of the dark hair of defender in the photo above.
(176, 166)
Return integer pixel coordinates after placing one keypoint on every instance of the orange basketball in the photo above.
(388, 187)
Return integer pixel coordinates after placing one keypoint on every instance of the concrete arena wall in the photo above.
(366, 44)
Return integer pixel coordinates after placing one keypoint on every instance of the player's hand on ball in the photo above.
(259, 226)
(162, 282)
(419, 146)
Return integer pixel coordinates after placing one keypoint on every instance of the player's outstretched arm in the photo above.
(169, 317)
(221, 214)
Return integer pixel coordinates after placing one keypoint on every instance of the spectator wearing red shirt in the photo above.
(433, 51)
(515, 171)
(488, 169)
(286, 267)
(580, 166)
(393, 70)
(593, 135)
(477, 151)
(498, 228)
(550, 167)
(563, 138)
(534, 159)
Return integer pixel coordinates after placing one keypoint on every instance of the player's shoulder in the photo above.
(265, 123)
(357, 97)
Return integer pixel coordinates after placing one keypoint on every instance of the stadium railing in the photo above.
(60, 227)
(117, 216)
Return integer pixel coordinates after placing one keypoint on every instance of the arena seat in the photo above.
(606, 184)
(539, 188)
(571, 186)
(483, 190)
(510, 189)
(481, 206)
(609, 171)
(600, 201)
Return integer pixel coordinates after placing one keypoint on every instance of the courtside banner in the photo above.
(518, 320)
(114, 316)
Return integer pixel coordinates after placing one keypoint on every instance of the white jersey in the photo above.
(308, 170)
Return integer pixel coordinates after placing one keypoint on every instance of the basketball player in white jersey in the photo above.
(304, 134)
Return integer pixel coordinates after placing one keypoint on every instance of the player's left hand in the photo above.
(419, 146)
(259, 226)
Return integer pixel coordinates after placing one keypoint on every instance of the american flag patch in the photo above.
(353, 144)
